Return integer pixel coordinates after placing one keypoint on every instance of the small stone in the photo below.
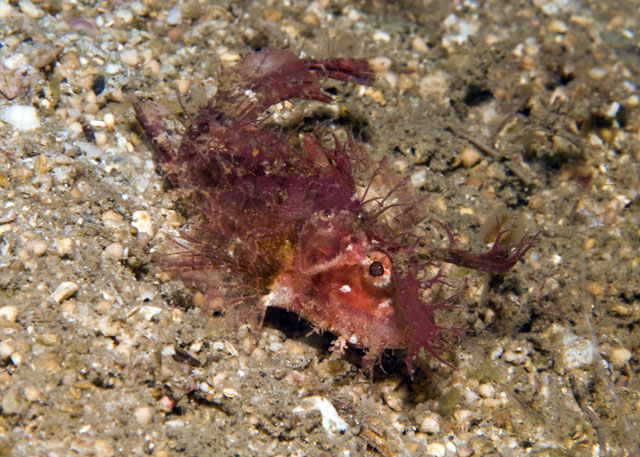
(174, 16)
(183, 85)
(65, 290)
(129, 57)
(419, 178)
(101, 139)
(620, 356)
(142, 221)
(11, 403)
(16, 358)
(30, 9)
(98, 85)
(469, 157)
(6, 350)
(462, 416)
(575, 351)
(436, 449)
(115, 250)
(31, 393)
(9, 313)
(38, 247)
(64, 246)
(380, 64)
(430, 424)
(21, 117)
(331, 421)
(487, 390)
(418, 44)
(557, 26)
(435, 84)
(104, 448)
(109, 121)
(6, 9)
(229, 57)
(143, 415)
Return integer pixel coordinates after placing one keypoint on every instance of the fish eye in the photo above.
(376, 269)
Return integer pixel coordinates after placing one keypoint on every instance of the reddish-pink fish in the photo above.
(304, 222)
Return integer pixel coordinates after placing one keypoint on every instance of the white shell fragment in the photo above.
(331, 421)
(21, 117)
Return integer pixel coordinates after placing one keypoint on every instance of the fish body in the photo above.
(306, 223)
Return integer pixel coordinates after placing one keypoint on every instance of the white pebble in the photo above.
(174, 16)
(575, 351)
(9, 313)
(31, 393)
(142, 222)
(5, 350)
(487, 390)
(380, 64)
(22, 117)
(430, 424)
(436, 449)
(149, 312)
(419, 178)
(65, 290)
(143, 415)
(6, 9)
(64, 247)
(109, 121)
(379, 35)
(331, 421)
(129, 57)
(30, 9)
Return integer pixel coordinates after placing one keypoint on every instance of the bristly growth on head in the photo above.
(306, 223)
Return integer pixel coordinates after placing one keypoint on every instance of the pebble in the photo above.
(22, 117)
(38, 247)
(143, 415)
(31, 393)
(436, 449)
(129, 57)
(6, 350)
(65, 290)
(430, 424)
(419, 178)
(174, 17)
(64, 246)
(142, 222)
(418, 44)
(30, 9)
(104, 448)
(575, 352)
(109, 121)
(619, 356)
(6, 9)
(435, 84)
(331, 421)
(487, 390)
(11, 403)
(115, 250)
(380, 64)
(9, 313)
(469, 157)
